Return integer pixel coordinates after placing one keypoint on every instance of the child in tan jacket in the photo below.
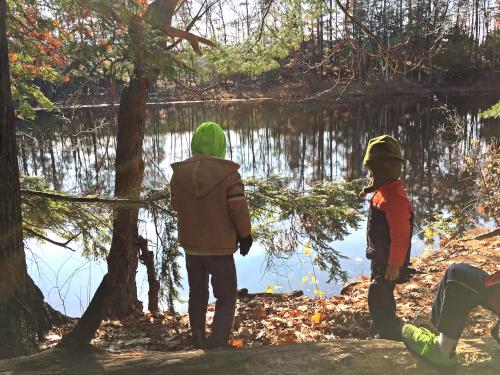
(213, 218)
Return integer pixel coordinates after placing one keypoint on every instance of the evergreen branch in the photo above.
(54, 242)
(93, 199)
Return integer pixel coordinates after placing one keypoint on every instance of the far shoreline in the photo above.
(296, 91)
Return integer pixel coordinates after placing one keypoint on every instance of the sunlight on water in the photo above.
(304, 141)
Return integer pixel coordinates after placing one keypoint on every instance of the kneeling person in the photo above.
(462, 288)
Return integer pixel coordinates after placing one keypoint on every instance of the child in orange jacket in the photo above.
(389, 231)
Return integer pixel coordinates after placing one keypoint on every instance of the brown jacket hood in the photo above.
(200, 174)
(212, 211)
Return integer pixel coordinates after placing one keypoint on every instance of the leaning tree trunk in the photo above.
(23, 315)
(129, 169)
(117, 294)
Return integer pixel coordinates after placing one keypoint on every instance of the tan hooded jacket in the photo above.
(209, 197)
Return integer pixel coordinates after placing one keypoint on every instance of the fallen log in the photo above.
(347, 289)
(495, 232)
(245, 296)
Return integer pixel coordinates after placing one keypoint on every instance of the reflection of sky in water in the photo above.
(301, 141)
(68, 280)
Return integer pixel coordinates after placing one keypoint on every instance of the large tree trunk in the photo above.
(117, 294)
(23, 315)
(91, 319)
(129, 169)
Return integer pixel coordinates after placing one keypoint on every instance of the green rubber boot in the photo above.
(425, 344)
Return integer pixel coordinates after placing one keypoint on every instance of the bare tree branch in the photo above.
(41, 236)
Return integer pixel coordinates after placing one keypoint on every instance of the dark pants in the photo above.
(461, 289)
(223, 272)
(382, 306)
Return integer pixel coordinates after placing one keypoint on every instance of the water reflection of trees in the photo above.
(74, 154)
(307, 141)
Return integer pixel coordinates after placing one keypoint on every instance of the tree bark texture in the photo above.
(116, 296)
(129, 169)
(91, 319)
(23, 315)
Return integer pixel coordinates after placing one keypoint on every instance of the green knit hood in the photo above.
(209, 139)
(384, 159)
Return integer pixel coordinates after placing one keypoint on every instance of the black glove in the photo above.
(245, 244)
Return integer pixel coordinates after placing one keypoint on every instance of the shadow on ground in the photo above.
(478, 356)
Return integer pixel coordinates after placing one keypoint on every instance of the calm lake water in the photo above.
(315, 140)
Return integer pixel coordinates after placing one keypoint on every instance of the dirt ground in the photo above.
(343, 356)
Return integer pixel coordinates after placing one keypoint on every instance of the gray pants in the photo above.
(461, 289)
(223, 272)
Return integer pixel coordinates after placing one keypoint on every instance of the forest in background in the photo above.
(78, 51)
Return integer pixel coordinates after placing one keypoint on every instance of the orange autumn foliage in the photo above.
(236, 343)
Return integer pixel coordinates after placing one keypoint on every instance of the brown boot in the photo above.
(213, 343)
(198, 340)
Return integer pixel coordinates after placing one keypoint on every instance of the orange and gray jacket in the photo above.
(389, 229)
(209, 197)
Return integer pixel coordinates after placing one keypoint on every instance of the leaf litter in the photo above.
(276, 319)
